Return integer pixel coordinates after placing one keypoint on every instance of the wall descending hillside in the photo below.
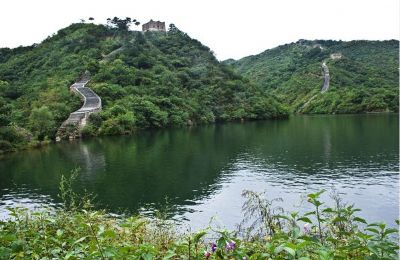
(362, 75)
(77, 120)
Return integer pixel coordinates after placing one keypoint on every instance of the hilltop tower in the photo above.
(153, 26)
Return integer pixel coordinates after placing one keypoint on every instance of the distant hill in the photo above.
(364, 75)
(145, 80)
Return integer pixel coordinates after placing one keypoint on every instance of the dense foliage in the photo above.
(78, 232)
(145, 80)
(364, 79)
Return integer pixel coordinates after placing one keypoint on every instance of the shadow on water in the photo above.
(193, 166)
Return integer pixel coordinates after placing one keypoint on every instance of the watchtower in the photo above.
(153, 26)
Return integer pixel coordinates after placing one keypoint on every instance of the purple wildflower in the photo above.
(207, 254)
(244, 258)
(213, 247)
(230, 246)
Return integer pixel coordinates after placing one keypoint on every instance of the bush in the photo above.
(42, 122)
(89, 130)
(77, 231)
(5, 146)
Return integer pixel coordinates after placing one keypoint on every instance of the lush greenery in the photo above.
(364, 79)
(144, 80)
(76, 232)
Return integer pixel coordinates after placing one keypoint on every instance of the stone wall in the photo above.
(153, 26)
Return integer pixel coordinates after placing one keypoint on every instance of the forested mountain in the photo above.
(150, 79)
(363, 75)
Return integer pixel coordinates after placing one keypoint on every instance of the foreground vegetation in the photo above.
(363, 79)
(145, 80)
(77, 231)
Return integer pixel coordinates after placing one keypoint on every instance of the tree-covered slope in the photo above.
(144, 80)
(363, 76)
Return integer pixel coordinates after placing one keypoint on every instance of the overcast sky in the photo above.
(232, 29)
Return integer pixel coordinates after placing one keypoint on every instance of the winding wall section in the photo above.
(325, 69)
(324, 88)
(77, 120)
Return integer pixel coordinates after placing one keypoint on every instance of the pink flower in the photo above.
(207, 254)
(307, 228)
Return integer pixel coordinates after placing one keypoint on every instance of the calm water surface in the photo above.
(203, 170)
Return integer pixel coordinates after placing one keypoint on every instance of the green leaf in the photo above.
(221, 242)
(374, 225)
(219, 254)
(282, 216)
(373, 230)
(59, 232)
(169, 255)
(290, 250)
(389, 231)
(278, 249)
(338, 219)
(198, 236)
(109, 233)
(17, 246)
(360, 220)
(79, 240)
(317, 203)
(363, 236)
(101, 230)
(310, 213)
(382, 226)
(147, 256)
(324, 255)
(305, 219)
(69, 255)
(328, 210)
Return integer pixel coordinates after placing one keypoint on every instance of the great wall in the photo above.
(71, 128)
(326, 75)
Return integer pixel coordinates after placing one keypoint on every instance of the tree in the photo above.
(172, 28)
(121, 24)
(91, 19)
(42, 122)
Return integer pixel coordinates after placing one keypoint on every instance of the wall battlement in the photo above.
(153, 26)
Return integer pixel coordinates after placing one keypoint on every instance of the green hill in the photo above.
(363, 76)
(145, 80)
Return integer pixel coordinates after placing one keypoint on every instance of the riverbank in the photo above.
(26, 141)
(77, 232)
(87, 133)
(34, 144)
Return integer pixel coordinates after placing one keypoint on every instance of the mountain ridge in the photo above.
(364, 75)
(155, 80)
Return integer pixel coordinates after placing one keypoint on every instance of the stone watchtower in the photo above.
(153, 26)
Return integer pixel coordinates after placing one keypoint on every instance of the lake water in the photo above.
(203, 170)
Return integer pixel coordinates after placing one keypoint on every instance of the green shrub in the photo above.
(89, 130)
(77, 231)
(5, 146)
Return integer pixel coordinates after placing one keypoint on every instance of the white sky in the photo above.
(232, 29)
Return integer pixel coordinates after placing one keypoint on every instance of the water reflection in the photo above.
(203, 170)
(25, 198)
